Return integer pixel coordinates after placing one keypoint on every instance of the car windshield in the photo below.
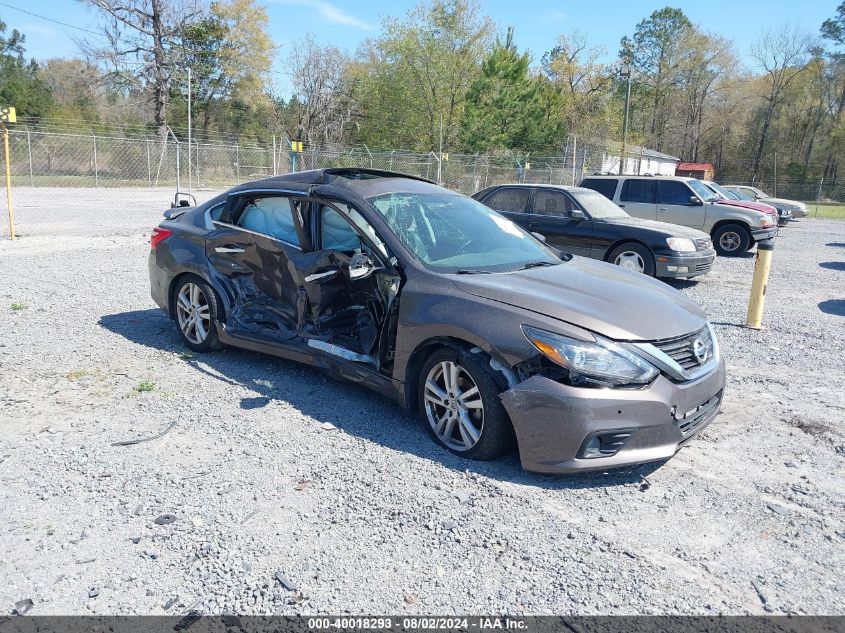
(741, 195)
(453, 233)
(727, 193)
(597, 206)
(701, 190)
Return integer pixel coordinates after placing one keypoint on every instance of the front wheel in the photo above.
(634, 257)
(460, 407)
(196, 314)
(732, 239)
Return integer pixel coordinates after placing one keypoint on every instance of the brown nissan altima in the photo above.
(433, 299)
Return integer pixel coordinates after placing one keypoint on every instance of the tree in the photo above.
(20, 84)
(782, 55)
(143, 45)
(504, 108)
(229, 52)
(418, 71)
(323, 106)
(654, 52)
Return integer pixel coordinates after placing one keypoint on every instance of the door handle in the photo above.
(229, 249)
(533, 225)
(316, 276)
(662, 209)
(622, 205)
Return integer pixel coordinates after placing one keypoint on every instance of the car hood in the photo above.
(747, 204)
(789, 204)
(671, 230)
(606, 299)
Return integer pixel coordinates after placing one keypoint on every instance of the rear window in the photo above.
(508, 199)
(605, 186)
(637, 191)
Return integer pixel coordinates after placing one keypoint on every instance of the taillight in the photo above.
(158, 235)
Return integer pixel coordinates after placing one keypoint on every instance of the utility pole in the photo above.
(626, 73)
(189, 130)
(440, 155)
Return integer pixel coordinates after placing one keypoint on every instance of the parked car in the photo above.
(726, 196)
(433, 299)
(798, 209)
(583, 222)
(686, 201)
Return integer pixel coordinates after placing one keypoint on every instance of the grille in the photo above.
(690, 421)
(703, 244)
(682, 349)
(703, 267)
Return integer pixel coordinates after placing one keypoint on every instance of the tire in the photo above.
(193, 297)
(732, 239)
(443, 415)
(633, 256)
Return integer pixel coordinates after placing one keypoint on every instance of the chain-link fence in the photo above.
(51, 157)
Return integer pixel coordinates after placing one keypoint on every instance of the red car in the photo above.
(731, 199)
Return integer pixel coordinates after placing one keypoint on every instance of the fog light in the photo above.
(604, 443)
(677, 269)
(593, 448)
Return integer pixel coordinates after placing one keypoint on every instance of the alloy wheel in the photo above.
(193, 313)
(729, 240)
(453, 406)
(629, 260)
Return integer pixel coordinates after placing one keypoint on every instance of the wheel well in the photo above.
(426, 349)
(174, 284)
(739, 223)
(626, 240)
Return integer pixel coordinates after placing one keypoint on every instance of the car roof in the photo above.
(641, 177)
(365, 183)
(535, 185)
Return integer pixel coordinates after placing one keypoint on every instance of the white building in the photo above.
(641, 161)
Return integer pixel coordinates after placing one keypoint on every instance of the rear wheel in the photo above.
(460, 407)
(732, 239)
(196, 314)
(634, 257)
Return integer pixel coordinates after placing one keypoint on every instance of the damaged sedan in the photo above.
(433, 299)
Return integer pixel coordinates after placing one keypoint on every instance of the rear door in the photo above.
(511, 201)
(255, 239)
(551, 215)
(674, 205)
(638, 199)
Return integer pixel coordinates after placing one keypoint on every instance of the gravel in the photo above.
(367, 515)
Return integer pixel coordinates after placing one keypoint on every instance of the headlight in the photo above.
(680, 244)
(765, 220)
(602, 362)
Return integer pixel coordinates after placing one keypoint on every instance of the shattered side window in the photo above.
(337, 233)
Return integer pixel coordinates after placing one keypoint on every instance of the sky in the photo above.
(537, 24)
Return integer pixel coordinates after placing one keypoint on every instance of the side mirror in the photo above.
(577, 214)
(539, 236)
(360, 266)
(695, 201)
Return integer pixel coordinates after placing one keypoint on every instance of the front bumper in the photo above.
(784, 217)
(684, 265)
(764, 234)
(552, 420)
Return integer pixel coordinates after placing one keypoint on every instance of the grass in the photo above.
(19, 305)
(828, 211)
(144, 386)
(76, 374)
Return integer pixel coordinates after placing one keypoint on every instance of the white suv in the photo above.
(686, 201)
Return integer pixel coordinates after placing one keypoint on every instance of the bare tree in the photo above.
(142, 47)
(782, 55)
(323, 92)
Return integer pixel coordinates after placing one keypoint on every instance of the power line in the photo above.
(44, 17)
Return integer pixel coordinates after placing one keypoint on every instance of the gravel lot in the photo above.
(293, 493)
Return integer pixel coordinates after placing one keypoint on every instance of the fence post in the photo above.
(29, 149)
(96, 167)
(274, 155)
(574, 149)
(197, 170)
(391, 159)
(149, 165)
(238, 164)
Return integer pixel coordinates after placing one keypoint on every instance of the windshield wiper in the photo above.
(537, 264)
(469, 271)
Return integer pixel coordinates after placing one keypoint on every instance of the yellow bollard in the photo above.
(762, 264)
(8, 160)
